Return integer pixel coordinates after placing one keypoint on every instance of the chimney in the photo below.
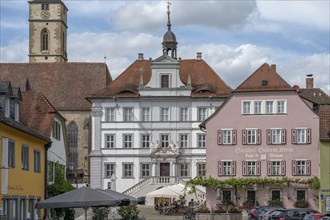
(199, 55)
(309, 81)
(140, 57)
(273, 66)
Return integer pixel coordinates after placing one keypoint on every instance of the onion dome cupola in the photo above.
(169, 39)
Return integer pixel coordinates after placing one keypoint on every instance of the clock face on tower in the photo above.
(45, 14)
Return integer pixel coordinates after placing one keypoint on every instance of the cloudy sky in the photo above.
(235, 37)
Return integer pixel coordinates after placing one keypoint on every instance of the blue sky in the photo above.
(235, 37)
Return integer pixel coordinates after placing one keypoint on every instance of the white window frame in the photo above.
(128, 141)
(276, 136)
(184, 170)
(227, 136)
(145, 140)
(128, 114)
(184, 113)
(128, 170)
(164, 114)
(109, 140)
(246, 107)
(227, 167)
(145, 170)
(280, 106)
(164, 140)
(257, 108)
(251, 168)
(201, 113)
(110, 114)
(7, 106)
(301, 167)
(269, 109)
(109, 169)
(201, 168)
(251, 136)
(201, 140)
(301, 135)
(146, 116)
(183, 138)
(276, 168)
(17, 111)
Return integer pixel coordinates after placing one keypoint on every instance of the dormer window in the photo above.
(17, 111)
(7, 107)
(165, 81)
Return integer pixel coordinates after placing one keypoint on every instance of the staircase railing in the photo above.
(163, 180)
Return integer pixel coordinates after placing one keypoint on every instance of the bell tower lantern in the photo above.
(47, 31)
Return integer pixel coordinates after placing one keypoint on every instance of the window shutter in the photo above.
(283, 166)
(220, 168)
(259, 136)
(294, 168)
(219, 137)
(269, 168)
(244, 168)
(258, 168)
(233, 168)
(308, 136)
(234, 137)
(308, 167)
(243, 136)
(293, 136)
(269, 136)
(283, 133)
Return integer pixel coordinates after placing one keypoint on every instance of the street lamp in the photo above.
(255, 188)
(73, 169)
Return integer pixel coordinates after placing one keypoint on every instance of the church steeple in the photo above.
(169, 39)
(47, 31)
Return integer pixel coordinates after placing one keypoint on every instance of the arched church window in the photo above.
(44, 39)
(73, 144)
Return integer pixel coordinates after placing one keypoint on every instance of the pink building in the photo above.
(264, 131)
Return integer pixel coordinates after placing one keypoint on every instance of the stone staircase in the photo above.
(153, 183)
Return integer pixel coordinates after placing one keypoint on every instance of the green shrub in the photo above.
(130, 212)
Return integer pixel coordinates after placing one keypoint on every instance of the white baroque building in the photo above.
(145, 124)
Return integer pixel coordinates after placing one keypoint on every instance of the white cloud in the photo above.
(120, 49)
(313, 14)
(150, 15)
(233, 64)
(15, 52)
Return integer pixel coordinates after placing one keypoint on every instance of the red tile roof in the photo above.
(321, 105)
(265, 78)
(64, 84)
(36, 112)
(204, 81)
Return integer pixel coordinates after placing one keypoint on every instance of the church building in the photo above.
(64, 84)
(145, 124)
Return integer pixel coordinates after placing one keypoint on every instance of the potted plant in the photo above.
(275, 202)
(301, 204)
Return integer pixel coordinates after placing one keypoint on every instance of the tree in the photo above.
(60, 185)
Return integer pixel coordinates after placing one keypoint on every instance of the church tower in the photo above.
(48, 31)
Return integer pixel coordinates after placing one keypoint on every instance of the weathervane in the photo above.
(168, 7)
(168, 16)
